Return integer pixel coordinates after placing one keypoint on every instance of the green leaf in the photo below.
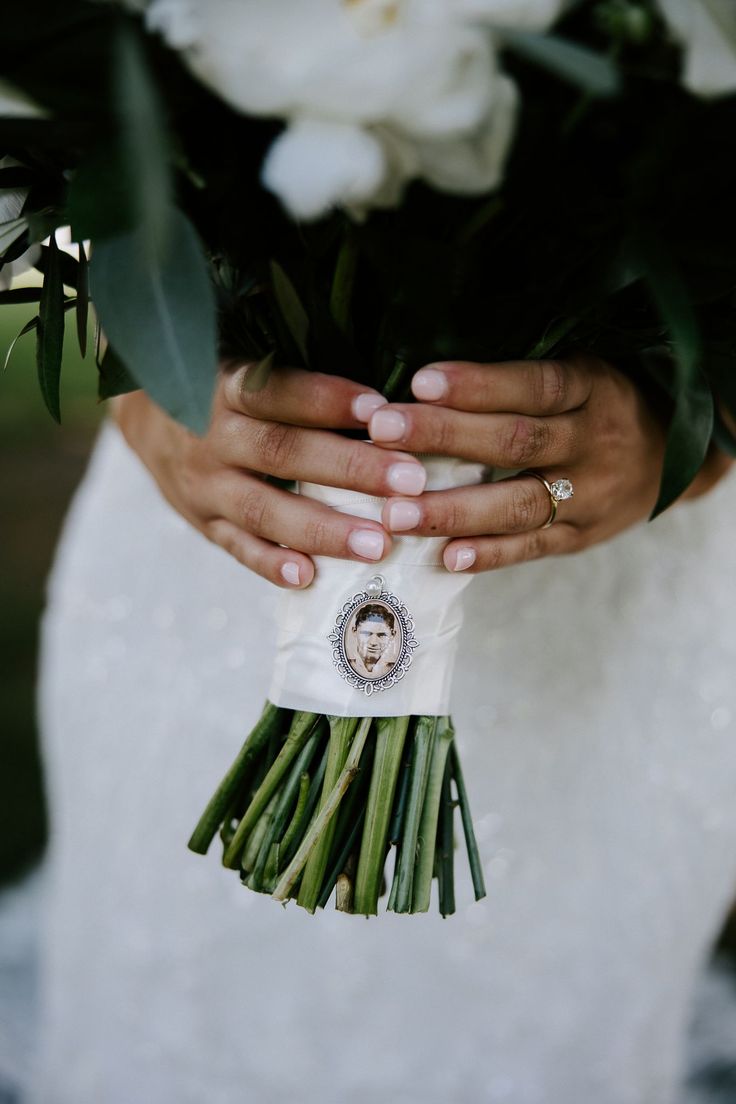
(691, 426)
(68, 266)
(144, 140)
(577, 64)
(20, 295)
(30, 325)
(125, 181)
(82, 300)
(114, 378)
(159, 316)
(50, 332)
(290, 306)
(256, 377)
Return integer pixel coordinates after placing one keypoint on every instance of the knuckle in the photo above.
(525, 442)
(551, 386)
(446, 518)
(536, 545)
(275, 447)
(523, 509)
(317, 536)
(254, 511)
(439, 431)
(493, 556)
(354, 468)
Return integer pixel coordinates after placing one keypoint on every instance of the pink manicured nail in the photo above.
(366, 543)
(387, 425)
(290, 573)
(365, 405)
(429, 385)
(403, 515)
(406, 479)
(464, 558)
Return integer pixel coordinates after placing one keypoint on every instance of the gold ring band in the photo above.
(559, 491)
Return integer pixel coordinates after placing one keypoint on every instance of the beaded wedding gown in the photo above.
(595, 702)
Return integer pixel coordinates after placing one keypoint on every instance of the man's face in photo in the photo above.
(374, 636)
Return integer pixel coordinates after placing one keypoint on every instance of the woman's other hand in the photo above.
(217, 482)
(579, 419)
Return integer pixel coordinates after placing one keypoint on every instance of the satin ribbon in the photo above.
(304, 676)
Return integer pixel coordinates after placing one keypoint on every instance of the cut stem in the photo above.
(271, 720)
(424, 737)
(390, 737)
(445, 849)
(427, 836)
(301, 729)
(342, 731)
(476, 868)
(328, 810)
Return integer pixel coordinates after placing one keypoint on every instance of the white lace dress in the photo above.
(595, 702)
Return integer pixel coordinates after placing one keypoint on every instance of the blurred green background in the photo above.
(41, 463)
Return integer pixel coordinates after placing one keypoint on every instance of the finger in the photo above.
(491, 553)
(500, 440)
(281, 566)
(289, 519)
(537, 387)
(317, 456)
(510, 506)
(298, 397)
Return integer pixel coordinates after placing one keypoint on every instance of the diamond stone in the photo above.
(561, 489)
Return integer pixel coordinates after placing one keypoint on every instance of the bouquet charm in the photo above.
(354, 755)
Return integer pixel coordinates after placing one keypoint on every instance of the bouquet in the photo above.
(365, 186)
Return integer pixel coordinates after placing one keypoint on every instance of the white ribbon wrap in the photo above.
(304, 676)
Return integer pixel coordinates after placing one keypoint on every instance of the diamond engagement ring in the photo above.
(559, 491)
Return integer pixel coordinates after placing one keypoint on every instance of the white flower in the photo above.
(317, 164)
(374, 92)
(12, 225)
(707, 31)
(519, 15)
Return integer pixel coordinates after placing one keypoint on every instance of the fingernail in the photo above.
(464, 558)
(364, 405)
(403, 515)
(366, 543)
(290, 573)
(387, 425)
(406, 479)
(429, 384)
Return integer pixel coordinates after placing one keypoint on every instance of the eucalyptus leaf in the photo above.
(144, 142)
(50, 332)
(159, 315)
(577, 64)
(114, 378)
(292, 311)
(30, 325)
(20, 295)
(82, 299)
(691, 426)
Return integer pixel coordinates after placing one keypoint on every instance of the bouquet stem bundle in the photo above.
(314, 804)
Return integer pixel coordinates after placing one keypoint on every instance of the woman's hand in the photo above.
(578, 419)
(217, 481)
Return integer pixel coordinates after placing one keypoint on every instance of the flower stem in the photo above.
(344, 278)
(424, 737)
(325, 814)
(301, 729)
(445, 848)
(342, 731)
(280, 814)
(271, 720)
(476, 869)
(295, 830)
(391, 734)
(427, 836)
